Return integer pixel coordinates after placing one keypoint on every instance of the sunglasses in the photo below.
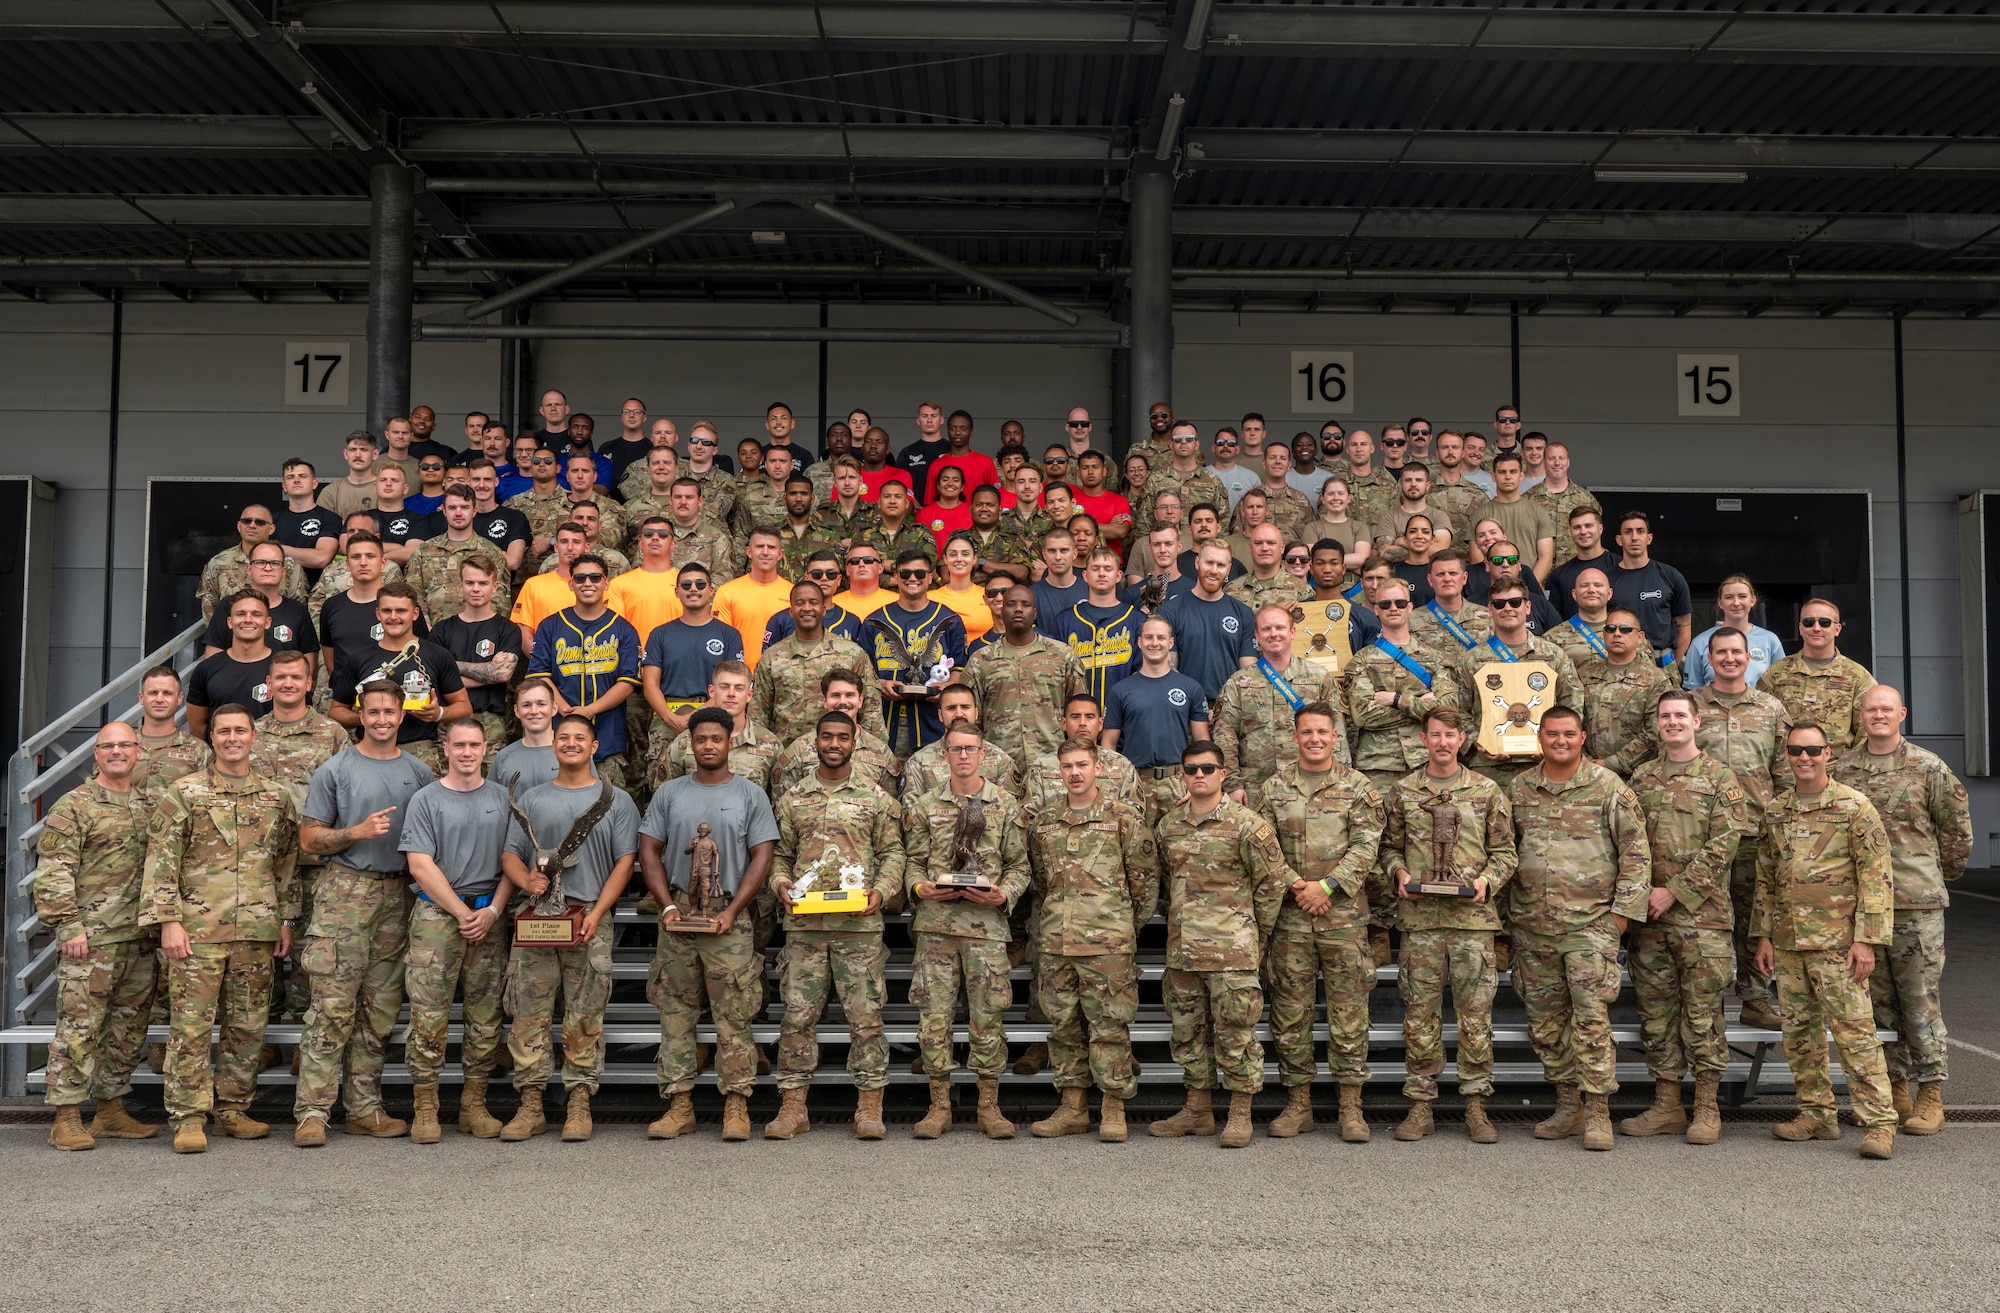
(1507, 421)
(822, 574)
(1395, 442)
(1621, 629)
(431, 467)
(656, 533)
(1199, 768)
(1804, 749)
(1055, 460)
(701, 442)
(1077, 424)
(1514, 559)
(1420, 433)
(997, 595)
(697, 585)
(1392, 604)
(1805, 621)
(913, 574)
(543, 460)
(1508, 603)
(1226, 442)
(251, 520)
(1184, 437)
(592, 578)
(1297, 560)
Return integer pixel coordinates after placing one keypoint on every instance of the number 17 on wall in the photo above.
(1322, 382)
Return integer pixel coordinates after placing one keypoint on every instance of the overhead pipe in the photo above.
(1088, 337)
(957, 268)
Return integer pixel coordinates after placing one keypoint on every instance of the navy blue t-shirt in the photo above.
(1106, 642)
(1210, 638)
(686, 655)
(1052, 604)
(837, 621)
(1152, 716)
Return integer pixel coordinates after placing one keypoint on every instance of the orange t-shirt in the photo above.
(863, 607)
(747, 607)
(971, 608)
(541, 597)
(645, 598)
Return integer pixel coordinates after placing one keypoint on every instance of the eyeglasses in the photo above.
(656, 533)
(1498, 603)
(632, 410)
(592, 578)
(253, 521)
(266, 564)
(964, 749)
(1804, 749)
(697, 585)
(1621, 629)
(1504, 559)
(1077, 424)
(913, 574)
(1392, 604)
(864, 560)
(1805, 621)
(1199, 768)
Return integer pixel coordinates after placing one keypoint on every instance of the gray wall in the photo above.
(203, 394)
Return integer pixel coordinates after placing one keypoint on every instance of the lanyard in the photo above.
(1278, 681)
(1352, 592)
(1500, 650)
(1589, 635)
(1404, 659)
(1451, 626)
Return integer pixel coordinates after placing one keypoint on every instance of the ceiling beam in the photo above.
(1749, 34)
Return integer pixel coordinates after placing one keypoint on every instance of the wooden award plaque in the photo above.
(692, 925)
(1512, 697)
(1321, 635)
(564, 930)
(1434, 889)
(962, 880)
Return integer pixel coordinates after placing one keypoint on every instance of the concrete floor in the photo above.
(829, 1223)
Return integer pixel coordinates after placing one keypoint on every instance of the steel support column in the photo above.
(391, 251)
(1152, 239)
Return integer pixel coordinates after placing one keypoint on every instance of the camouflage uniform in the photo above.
(1227, 879)
(797, 547)
(438, 963)
(1097, 873)
(821, 474)
(1376, 494)
(1448, 937)
(925, 771)
(582, 975)
(1116, 776)
(1829, 696)
(1330, 830)
(637, 480)
(1746, 732)
(1252, 724)
(1196, 487)
(843, 528)
(1583, 860)
(753, 754)
(1696, 814)
(548, 512)
(784, 688)
(1024, 533)
(1258, 593)
(959, 940)
(1559, 505)
(1022, 691)
(220, 857)
(1287, 508)
(1924, 810)
(756, 503)
(1619, 703)
(822, 826)
(229, 572)
(433, 572)
(1005, 548)
(93, 852)
(1824, 883)
(1471, 693)
(1389, 740)
(162, 764)
(1437, 646)
(336, 578)
(1569, 637)
(911, 537)
(719, 493)
(872, 761)
(289, 753)
(1457, 501)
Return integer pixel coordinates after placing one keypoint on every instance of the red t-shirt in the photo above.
(871, 484)
(1105, 507)
(979, 469)
(944, 523)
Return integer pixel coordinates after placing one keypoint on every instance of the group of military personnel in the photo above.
(1301, 807)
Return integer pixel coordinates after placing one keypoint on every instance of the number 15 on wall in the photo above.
(1322, 382)
(1709, 386)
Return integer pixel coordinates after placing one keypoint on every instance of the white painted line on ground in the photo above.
(1972, 1048)
(1967, 893)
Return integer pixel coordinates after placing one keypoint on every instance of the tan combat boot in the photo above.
(735, 1117)
(1297, 1118)
(1033, 1060)
(993, 1124)
(1417, 1123)
(1805, 1126)
(1196, 1117)
(473, 1118)
(1665, 1117)
(424, 1128)
(791, 1119)
(1353, 1126)
(1110, 1120)
(528, 1119)
(938, 1120)
(1597, 1135)
(310, 1133)
(1566, 1120)
(156, 1058)
(1503, 954)
(112, 1122)
(1478, 1126)
(68, 1134)
(1899, 1098)
(188, 1137)
(1236, 1133)
(868, 1116)
(1758, 1012)
(1706, 1127)
(576, 1117)
(1071, 1117)
(378, 1124)
(678, 1119)
(1928, 1116)
(1378, 944)
(1878, 1142)
(235, 1124)
(268, 1057)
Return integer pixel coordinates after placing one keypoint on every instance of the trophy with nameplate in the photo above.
(1320, 635)
(830, 886)
(704, 887)
(965, 860)
(550, 922)
(414, 679)
(1512, 697)
(1442, 880)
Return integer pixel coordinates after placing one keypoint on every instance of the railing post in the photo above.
(13, 951)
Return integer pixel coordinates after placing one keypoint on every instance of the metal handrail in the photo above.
(84, 709)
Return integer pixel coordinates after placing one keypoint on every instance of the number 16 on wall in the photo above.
(1322, 382)
(1709, 386)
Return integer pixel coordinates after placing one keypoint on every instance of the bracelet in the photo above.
(1327, 885)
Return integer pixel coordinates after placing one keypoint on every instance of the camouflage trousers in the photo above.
(1430, 959)
(1379, 888)
(354, 954)
(813, 965)
(941, 964)
(640, 727)
(436, 965)
(612, 768)
(1742, 892)
(294, 994)
(1904, 987)
(102, 1003)
(1816, 993)
(582, 975)
(1568, 983)
(732, 970)
(1679, 974)
(1157, 795)
(226, 983)
(1215, 1015)
(428, 751)
(1090, 1002)
(1299, 957)
(495, 726)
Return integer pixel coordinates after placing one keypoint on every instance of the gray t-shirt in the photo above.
(523, 766)
(461, 832)
(552, 809)
(350, 788)
(1238, 479)
(738, 815)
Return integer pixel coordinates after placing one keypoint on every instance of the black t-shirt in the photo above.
(399, 527)
(221, 679)
(1563, 578)
(291, 629)
(1542, 614)
(305, 528)
(422, 447)
(1418, 577)
(1658, 594)
(918, 457)
(503, 526)
(360, 666)
(480, 641)
(624, 454)
(348, 626)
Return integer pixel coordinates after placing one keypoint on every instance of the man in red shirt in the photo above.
(978, 466)
(1111, 511)
(875, 467)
